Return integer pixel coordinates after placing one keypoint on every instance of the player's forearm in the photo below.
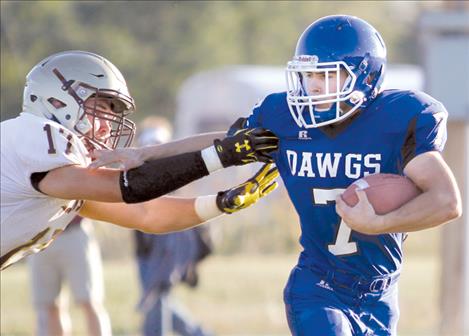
(169, 214)
(190, 144)
(439, 202)
(75, 182)
(429, 209)
(158, 216)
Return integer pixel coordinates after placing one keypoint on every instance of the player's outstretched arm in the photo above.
(241, 146)
(158, 177)
(168, 214)
(128, 158)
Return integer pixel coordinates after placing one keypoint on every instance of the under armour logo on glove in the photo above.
(240, 147)
(246, 146)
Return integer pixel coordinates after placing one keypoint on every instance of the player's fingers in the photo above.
(361, 194)
(269, 139)
(261, 173)
(262, 157)
(94, 165)
(265, 138)
(238, 125)
(271, 175)
(92, 154)
(263, 132)
(101, 163)
(267, 190)
(100, 157)
(98, 163)
(95, 154)
(270, 147)
(340, 206)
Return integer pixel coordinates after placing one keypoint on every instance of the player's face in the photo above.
(99, 113)
(321, 83)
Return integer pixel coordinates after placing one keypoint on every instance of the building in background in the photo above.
(444, 36)
(211, 101)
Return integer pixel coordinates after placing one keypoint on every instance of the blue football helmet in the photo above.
(344, 46)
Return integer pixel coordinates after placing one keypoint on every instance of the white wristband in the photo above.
(211, 159)
(206, 207)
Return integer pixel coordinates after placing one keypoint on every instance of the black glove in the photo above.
(249, 192)
(246, 146)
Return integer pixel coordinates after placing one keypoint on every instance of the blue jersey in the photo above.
(317, 164)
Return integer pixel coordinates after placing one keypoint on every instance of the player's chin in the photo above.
(323, 107)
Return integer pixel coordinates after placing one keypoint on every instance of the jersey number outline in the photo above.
(50, 140)
(342, 244)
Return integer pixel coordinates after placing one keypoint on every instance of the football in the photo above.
(386, 192)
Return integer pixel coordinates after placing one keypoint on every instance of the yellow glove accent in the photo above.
(249, 192)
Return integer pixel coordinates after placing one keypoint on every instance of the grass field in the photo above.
(238, 295)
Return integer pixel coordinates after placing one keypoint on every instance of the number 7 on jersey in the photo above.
(342, 244)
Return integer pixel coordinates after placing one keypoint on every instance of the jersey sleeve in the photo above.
(431, 132)
(427, 130)
(40, 145)
(255, 119)
(265, 114)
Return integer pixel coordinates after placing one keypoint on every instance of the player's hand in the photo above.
(246, 146)
(362, 217)
(249, 192)
(125, 158)
(239, 124)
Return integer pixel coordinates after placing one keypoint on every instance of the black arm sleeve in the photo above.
(158, 177)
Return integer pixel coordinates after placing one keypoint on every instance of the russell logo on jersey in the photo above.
(303, 135)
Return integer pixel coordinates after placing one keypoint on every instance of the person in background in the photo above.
(73, 258)
(163, 263)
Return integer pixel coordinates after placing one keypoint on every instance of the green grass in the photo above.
(238, 295)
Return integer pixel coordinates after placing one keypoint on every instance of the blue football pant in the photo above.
(315, 306)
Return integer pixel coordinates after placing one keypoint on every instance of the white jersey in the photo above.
(30, 220)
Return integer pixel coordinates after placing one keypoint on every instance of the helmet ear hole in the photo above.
(58, 104)
(33, 98)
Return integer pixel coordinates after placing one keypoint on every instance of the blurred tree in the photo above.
(157, 45)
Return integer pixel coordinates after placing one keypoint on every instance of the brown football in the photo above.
(386, 192)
